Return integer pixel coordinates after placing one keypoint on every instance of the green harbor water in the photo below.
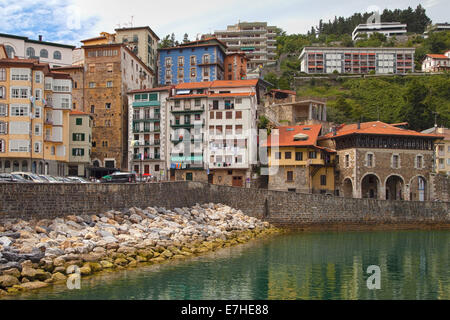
(306, 266)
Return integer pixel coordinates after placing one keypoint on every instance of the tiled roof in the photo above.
(193, 85)
(236, 94)
(437, 56)
(78, 113)
(376, 128)
(287, 135)
(217, 84)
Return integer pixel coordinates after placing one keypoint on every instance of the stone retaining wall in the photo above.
(41, 201)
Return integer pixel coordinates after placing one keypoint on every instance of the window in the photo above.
(77, 152)
(92, 68)
(10, 51)
(193, 72)
(168, 62)
(395, 161)
(2, 74)
(79, 121)
(109, 84)
(205, 72)
(52, 150)
(37, 147)
(218, 115)
(288, 155)
(37, 112)
(43, 53)
(299, 156)
(238, 115)
(19, 111)
(92, 109)
(197, 103)
(369, 160)
(3, 127)
(57, 55)
(108, 105)
(238, 101)
(206, 58)
(91, 85)
(2, 146)
(277, 155)
(38, 94)
(2, 93)
(105, 144)
(229, 115)
(323, 180)
(37, 130)
(290, 176)
(65, 103)
(38, 77)
(312, 155)
(3, 110)
(30, 52)
(239, 129)
(180, 61)
(229, 130)
(78, 137)
(419, 162)
(109, 67)
(193, 60)
(347, 160)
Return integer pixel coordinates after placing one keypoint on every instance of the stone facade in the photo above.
(41, 201)
(300, 182)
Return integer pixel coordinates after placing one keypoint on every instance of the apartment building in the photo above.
(213, 131)
(54, 54)
(80, 135)
(297, 163)
(108, 73)
(382, 161)
(327, 60)
(256, 39)
(236, 66)
(389, 29)
(34, 116)
(436, 62)
(196, 61)
(148, 132)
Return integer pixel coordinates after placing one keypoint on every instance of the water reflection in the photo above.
(414, 265)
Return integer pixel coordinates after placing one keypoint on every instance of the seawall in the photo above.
(43, 201)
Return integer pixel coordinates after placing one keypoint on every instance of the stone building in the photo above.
(108, 73)
(297, 163)
(382, 161)
(34, 116)
(80, 143)
(442, 165)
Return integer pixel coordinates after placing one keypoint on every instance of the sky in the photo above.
(69, 21)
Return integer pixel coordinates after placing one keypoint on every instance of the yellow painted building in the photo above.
(297, 164)
(30, 141)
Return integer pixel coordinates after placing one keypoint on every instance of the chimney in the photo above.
(40, 37)
(359, 125)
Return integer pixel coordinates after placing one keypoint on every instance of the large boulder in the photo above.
(34, 285)
(8, 281)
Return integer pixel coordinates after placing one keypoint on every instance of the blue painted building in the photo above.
(196, 61)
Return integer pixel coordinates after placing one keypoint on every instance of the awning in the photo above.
(183, 91)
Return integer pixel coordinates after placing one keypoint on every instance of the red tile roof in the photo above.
(287, 135)
(376, 128)
(437, 56)
(193, 85)
(217, 84)
(236, 94)
(166, 88)
(78, 113)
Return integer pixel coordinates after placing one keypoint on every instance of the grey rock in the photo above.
(10, 265)
(13, 235)
(5, 242)
(135, 218)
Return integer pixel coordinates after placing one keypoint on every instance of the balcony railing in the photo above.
(147, 157)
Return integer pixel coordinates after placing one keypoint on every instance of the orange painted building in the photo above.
(236, 66)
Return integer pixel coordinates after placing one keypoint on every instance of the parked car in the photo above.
(30, 177)
(119, 177)
(12, 178)
(78, 180)
(48, 179)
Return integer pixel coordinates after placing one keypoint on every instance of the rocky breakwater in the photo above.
(35, 254)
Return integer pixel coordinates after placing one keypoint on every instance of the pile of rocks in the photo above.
(34, 254)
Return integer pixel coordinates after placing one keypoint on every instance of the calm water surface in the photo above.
(331, 265)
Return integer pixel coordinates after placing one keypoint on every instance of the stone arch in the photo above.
(395, 187)
(418, 188)
(371, 186)
(96, 163)
(347, 188)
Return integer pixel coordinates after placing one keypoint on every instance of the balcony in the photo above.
(146, 104)
(146, 157)
(156, 117)
(187, 110)
(146, 130)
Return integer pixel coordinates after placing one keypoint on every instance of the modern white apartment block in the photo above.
(436, 62)
(389, 29)
(55, 54)
(326, 60)
(256, 39)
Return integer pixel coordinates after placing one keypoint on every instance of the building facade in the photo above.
(54, 54)
(34, 117)
(213, 132)
(236, 66)
(436, 62)
(108, 73)
(80, 136)
(256, 39)
(382, 161)
(196, 61)
(389, 29)
(323, 60)
(442, 150)
(297, 163)
(148, 132)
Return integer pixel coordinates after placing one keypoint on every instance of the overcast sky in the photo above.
(71, 21)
